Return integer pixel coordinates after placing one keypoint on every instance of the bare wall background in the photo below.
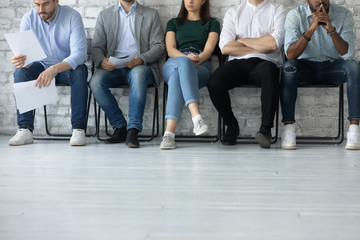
(316, 110)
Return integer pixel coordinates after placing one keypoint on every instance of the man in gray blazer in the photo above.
(126, 30)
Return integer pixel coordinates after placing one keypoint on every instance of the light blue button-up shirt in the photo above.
(321, 47)
(126, 42)
(63, 39)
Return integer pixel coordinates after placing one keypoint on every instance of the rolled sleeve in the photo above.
(228, 32)
(292, 29)
(347, 33)
(78, 44)
(279, 22)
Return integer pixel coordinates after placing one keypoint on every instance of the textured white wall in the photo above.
(316, 109)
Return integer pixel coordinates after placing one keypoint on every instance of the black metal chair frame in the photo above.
(192, 138)
(251, 140)
(142, 137)
(340, 133)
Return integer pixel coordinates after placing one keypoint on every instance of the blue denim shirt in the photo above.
(63, 39)
(321, 47)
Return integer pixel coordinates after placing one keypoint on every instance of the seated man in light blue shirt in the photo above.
(61, 33)
(126, 29)
(319, 43)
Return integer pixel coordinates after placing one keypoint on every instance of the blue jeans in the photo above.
(137, 78)
(77, 79)
(303, 72)
(184, 80)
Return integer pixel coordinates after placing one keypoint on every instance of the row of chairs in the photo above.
(220, 126)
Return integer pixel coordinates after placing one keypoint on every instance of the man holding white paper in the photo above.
(60, 31)
(123, 30)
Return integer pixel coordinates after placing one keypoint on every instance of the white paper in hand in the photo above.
(26, 43)
(29, 97)
(120, 62)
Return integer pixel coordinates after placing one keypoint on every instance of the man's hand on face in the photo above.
(106, 65)
(322, 18)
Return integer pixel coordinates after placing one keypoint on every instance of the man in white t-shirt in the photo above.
(252, 36)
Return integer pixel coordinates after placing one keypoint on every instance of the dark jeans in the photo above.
(77, 79)
(262, 73)
(303, 72)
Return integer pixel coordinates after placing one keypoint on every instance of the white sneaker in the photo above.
(78, 137)
(23, 136)
(200, 127)
(353, 138)
(288, 138)
(167, 143)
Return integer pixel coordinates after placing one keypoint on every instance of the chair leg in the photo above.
(88, 113)
(340, 135)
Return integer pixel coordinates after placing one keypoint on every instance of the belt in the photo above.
(194, 50)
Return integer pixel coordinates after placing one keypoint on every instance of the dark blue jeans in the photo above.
(77, 79)
(303, 72)
(138, 79)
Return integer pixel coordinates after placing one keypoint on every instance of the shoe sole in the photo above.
(349, 147)
(110, 142)
(167, 148)
(288, 148)
(227, 143)
(25, 143)
(200, 133)
(132, 145)
(77, 144)
(262, 141)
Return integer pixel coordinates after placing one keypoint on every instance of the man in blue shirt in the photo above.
(127, 29)
(61, 33)
(319, 43)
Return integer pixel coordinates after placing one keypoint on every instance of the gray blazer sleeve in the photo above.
(99, 41)
(152, 35)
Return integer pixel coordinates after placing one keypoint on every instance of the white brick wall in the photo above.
(316, 109)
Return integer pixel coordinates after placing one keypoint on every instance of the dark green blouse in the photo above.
(192, 33)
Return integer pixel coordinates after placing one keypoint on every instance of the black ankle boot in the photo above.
(231, 134)
(263, 137)
(118, 136)
(132, 138)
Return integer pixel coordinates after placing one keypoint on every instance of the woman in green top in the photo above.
(190, 40)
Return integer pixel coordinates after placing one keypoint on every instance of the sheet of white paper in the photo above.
(29, 97)
(26, 43)
(120, 62)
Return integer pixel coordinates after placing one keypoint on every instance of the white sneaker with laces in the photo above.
(288, 138)
(200, 127)
(78, 137)
(23, 136)
(167, 143)
(353, 138)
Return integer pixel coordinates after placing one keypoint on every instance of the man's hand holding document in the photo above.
(30, 95)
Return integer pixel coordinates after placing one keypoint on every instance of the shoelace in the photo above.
(201, 123)
(288, 136)
(21, 132)
(77, 132)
